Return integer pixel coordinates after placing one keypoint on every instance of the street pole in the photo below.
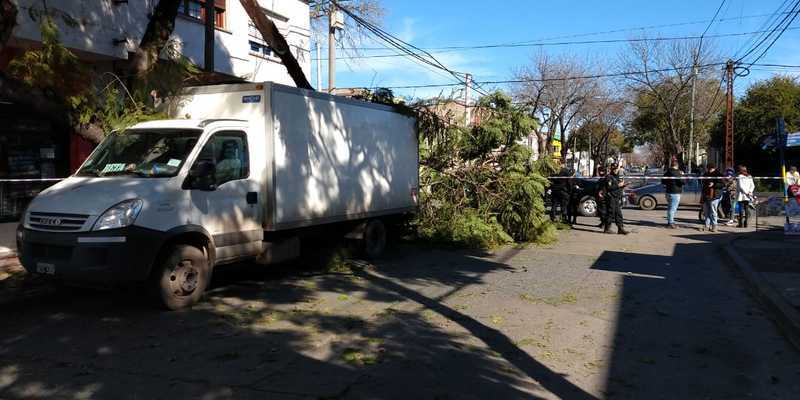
(209, 44)
(331, 48)
(319, 67)
(467, 113)
(781, 143)
(729, 116)
(690, 161)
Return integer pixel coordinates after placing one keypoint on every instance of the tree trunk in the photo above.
(277, 42)
(8, 20)
(155, 38)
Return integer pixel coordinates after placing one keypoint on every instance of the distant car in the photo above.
(653, 194)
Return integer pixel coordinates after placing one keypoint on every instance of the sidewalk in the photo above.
(769, 262)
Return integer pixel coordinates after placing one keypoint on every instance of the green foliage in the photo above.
(96, 99)
(56, 70)
(479, 187)
(755, 115)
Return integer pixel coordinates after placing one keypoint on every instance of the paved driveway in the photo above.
(653, 315)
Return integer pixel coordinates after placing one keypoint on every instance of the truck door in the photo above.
(229, 210)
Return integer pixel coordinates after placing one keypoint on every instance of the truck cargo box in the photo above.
(326, 158)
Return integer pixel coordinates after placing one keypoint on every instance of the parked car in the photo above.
(587, 188)
(653, 194)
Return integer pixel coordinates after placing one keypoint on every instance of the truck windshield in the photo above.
(144, 153)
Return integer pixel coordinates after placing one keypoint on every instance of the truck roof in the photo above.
(185, 123)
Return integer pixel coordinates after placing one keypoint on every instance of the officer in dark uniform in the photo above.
(614, 187)
(600, 196)
(561, 195)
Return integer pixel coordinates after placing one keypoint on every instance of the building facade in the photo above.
(107, 31)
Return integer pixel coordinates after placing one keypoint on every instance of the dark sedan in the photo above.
(587, 192)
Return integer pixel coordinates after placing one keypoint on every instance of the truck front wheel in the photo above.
(182, 277)
(374, 241)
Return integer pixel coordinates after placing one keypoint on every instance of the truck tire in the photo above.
(181, 277)
(374, 242)
(648, 203)
(588, 207)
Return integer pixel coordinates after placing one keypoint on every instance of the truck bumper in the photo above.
(112, 256)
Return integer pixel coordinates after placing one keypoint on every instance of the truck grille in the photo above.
(56, 222)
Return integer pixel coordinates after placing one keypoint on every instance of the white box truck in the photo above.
(242, 172)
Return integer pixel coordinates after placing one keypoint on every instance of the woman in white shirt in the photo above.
(744, 194)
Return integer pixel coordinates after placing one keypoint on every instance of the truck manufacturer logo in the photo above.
(50, 221)
(251, 99)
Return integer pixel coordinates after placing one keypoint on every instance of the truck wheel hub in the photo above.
(184, 278)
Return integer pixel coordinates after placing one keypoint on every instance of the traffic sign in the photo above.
(793, 139)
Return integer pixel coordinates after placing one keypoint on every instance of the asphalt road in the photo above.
(654, 315)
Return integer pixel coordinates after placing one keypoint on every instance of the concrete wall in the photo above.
(90, 27)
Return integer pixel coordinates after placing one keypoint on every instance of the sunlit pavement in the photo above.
(653, 315)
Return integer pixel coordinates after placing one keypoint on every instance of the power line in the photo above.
(772, 30)
(778, 36)
(631, 40)
(405, 47)
(598, 33)
(763, 27)
(566, 78)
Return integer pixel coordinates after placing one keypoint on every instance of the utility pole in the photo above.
(467, 111)
(211, 20)
(729, 116)
(690, 161)
(335, 22)
(319, 67)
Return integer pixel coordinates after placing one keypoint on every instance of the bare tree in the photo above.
(557, 91)
(353, 34)
(660, 79)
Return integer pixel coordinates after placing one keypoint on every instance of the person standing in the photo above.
(729, 198)
(674, 188)
(560, 196)
(711, 196)
(792, 178)
(601, 196)
(744, 195)
(613, 188)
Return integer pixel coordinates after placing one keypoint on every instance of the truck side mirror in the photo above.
(202, 176)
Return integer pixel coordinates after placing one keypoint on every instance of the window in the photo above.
(228, 152)
(260, 49)
(142, 153)
(196, 9)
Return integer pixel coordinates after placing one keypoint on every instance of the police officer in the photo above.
(600, 196)
(561, 195)
(613, 187)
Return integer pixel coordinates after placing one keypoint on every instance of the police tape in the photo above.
(32, 180)
(658, 178)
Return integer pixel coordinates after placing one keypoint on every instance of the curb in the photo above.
(786, 316)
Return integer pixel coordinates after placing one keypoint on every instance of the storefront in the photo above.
(33, 155)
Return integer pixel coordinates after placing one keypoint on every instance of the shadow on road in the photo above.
(685, 330)
(278, 333)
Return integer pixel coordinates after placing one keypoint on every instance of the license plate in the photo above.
(45, 268)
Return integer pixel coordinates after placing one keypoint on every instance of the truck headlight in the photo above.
(119, 216)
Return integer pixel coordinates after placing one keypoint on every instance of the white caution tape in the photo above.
(658, 178)
(32, 180)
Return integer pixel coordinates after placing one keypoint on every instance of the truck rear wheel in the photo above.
(374, 242)
(182, 277)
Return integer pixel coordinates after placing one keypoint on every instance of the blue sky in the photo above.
(434, 23)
